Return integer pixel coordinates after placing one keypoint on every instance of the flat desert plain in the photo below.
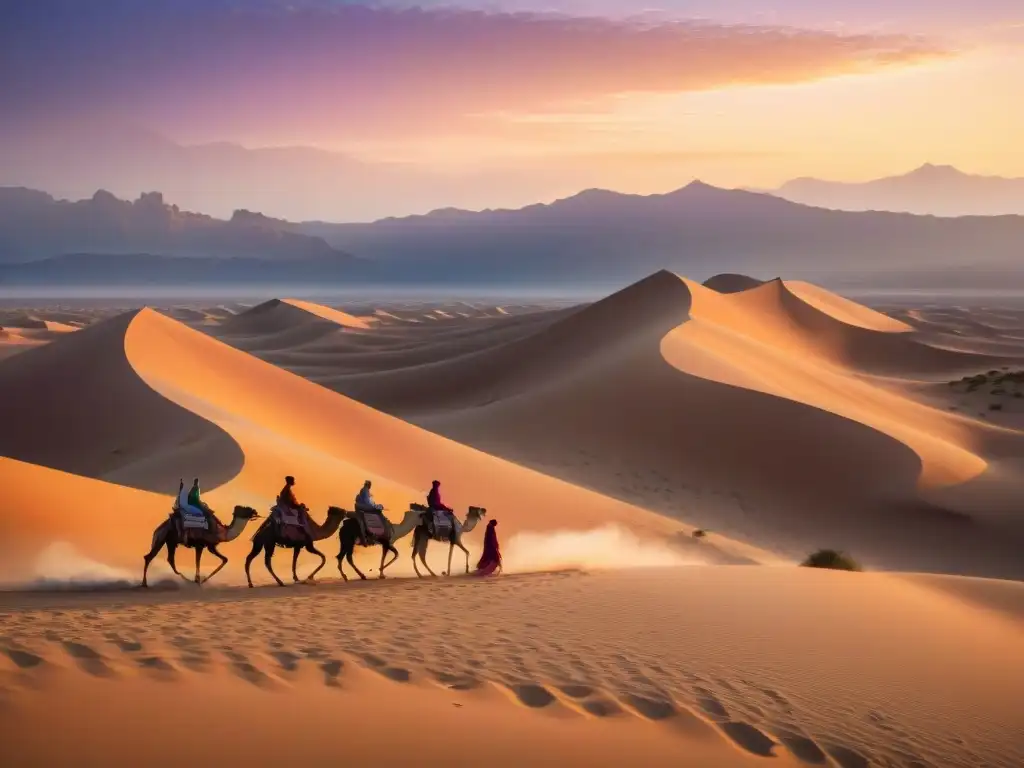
(660, 461)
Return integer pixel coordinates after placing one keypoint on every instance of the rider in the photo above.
(365, 503)
(436, 505)
(194, 505)
(286, 500)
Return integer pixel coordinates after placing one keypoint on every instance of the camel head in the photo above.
(478, 512)
(248, 513)
(338, 512)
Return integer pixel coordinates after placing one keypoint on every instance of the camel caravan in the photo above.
(193, 525)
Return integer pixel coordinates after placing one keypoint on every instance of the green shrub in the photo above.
(830, 558)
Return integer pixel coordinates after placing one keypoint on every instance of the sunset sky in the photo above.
(532, 98)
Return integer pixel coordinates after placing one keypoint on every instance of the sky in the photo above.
(500, 102)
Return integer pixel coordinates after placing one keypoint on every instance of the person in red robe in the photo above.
(490, 560)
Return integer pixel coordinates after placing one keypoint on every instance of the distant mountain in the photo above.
(144, 269)
(699, 229)
(939, 190)
(596, 239)
(35, 226)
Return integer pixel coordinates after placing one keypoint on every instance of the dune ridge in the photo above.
(277, 423)
(702, 387)
(77, 405)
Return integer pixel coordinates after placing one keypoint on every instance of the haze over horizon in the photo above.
(351, 111)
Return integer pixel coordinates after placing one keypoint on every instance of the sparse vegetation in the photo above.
(700, 533)
(833, 559)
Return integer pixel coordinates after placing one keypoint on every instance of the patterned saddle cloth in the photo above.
(190, 520)
(375, 525)
(442, 526)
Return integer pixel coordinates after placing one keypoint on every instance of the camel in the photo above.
(168, 534)
(268, 537)
(349, 537)
(421, 538)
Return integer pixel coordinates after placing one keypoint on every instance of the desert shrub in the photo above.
(830, 558)
(700, 533)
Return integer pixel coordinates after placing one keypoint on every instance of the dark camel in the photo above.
(349, 537)
(268, 537)
(168, 534)
(421, 538)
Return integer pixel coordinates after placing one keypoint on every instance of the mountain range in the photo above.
(592, 238)
(938, 190)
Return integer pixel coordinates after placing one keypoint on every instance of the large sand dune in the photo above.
(163, 394)
(777, 412)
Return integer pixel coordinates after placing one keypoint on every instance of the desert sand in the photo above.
(775, 416)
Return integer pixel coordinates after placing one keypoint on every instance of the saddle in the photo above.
(187, 519)
(290, 525)
(375, 524)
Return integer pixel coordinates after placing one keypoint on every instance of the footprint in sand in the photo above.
(532, 695)
(88, 659)
(23, 659)
(289, 661)
(710, 705)
(749, 738)
(601, 707)
(332, 671)
(846, 757)
(125, 646)
(576, 691)
(457, 682)
(802, 747)
(652, 709)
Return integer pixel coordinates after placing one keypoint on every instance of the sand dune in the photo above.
(759, 413)
(225, 414)
(780, 416)
(77, 405)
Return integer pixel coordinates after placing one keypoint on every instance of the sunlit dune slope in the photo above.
(286, 424)
(282, 423)
(77, 405)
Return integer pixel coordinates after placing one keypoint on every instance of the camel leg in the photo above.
(383, 551)
(354, 566)
(423, 559)
(223, 562)
(256, 547)
(158, 544)
(415, 552)
(451, 548)
(199, 556)
(268, 555)
(341, 559)
(295, 562)
(171, 549)
(311, 579)
(458, 544)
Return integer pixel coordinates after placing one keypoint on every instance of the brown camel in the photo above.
(270, 535)
(349, 537)
(169, 534)
(421, 538)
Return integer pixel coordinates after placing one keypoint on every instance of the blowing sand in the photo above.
(778, 416)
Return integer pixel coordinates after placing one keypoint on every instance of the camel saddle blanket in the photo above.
(442, 526)
(375, 524)
(287, 516)
(189, 520)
